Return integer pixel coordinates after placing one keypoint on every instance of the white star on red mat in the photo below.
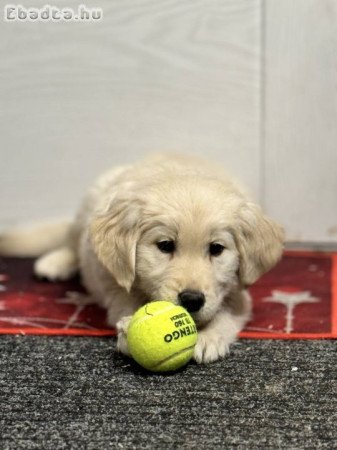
(73, 298)
(80, 301)
(290, 298)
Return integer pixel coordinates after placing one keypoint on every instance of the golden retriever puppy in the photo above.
(170, 228)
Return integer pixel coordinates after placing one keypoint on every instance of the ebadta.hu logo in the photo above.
(20, 13)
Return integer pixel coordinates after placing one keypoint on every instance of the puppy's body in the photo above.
(162, 228)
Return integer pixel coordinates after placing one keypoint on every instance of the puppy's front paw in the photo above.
(122, 329)
(210, 347)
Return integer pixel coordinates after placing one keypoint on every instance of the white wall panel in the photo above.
(76, 98)
(300, 145)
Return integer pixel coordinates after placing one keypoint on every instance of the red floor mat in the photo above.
(297, 299)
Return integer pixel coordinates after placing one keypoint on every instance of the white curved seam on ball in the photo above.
(191, 347)
(142, 319)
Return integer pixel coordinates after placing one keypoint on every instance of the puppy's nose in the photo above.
(191, 300)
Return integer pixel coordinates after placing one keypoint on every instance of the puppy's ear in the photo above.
(259, 241)
(114, 236)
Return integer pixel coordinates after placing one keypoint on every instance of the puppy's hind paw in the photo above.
(59, 264)
(210, 348)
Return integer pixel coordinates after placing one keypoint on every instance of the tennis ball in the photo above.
(161, 336)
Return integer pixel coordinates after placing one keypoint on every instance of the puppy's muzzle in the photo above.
(193, 301)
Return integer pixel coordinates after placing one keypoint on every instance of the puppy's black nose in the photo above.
(191, 300)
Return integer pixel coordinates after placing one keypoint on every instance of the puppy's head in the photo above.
(188, 241)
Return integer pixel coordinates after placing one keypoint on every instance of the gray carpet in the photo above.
(77, 393)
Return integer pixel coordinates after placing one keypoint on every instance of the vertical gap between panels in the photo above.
(262, 105)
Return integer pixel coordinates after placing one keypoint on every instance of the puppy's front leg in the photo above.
(122, 329)
(214, 340)
(121, 306)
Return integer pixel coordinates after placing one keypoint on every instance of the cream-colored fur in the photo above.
(130, 209)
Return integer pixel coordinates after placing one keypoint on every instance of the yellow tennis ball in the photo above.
(161, 336)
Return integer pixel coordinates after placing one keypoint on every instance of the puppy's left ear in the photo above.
(114, 236)
(260, 243)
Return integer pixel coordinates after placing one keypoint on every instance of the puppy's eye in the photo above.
(216, 249)
(166, 246)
